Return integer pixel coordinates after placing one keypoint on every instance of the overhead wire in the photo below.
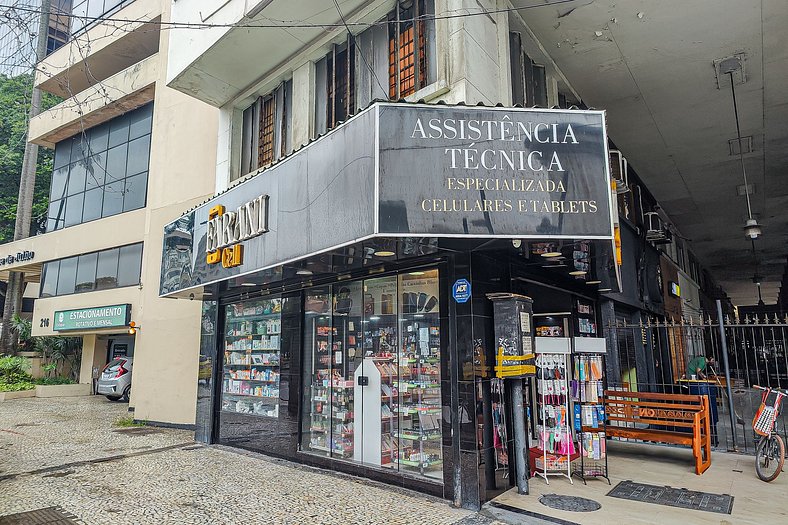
(285, 24)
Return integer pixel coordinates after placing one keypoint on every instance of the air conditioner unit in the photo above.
(656, 230)
(618, 170)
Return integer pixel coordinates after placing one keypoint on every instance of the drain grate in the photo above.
(569, 503)
(45, 516)
(673, 497)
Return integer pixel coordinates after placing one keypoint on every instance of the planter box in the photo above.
(6, 396)
(62, 390)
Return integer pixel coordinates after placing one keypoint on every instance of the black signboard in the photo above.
(397, 170)
(479, 171)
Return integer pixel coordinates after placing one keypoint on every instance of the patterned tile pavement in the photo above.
(64, 452)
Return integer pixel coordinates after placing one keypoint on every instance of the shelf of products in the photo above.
(554, 425)
(585, 319)
(251, 376)
(587, 388)
(374, 393)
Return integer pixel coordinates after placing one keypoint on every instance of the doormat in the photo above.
(45, 516)
(672, 497)
(569, 503)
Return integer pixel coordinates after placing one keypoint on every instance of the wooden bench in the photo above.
(687, 415)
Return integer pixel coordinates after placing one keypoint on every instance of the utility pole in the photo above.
(27, 182)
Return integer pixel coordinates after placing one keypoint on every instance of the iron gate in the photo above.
(653, 355)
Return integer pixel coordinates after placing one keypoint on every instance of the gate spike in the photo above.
(692, 320)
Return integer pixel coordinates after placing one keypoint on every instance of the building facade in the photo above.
(305, 210)
(114, 187)
(332, 262)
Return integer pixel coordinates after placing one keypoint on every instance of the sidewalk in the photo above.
(755, 502)
(64, 452)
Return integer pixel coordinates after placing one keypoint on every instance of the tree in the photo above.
(14, 107)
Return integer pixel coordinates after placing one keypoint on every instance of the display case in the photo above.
(587, 389)
(556, 447)
(250, 383)
(418, 389)
(373, 370)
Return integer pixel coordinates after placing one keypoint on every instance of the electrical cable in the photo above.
(289, 24)
(361, 53)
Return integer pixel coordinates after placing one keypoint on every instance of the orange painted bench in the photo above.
(624, 409)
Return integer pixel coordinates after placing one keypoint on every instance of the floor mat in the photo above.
(673, 497)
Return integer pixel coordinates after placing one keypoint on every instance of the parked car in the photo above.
(115, 380)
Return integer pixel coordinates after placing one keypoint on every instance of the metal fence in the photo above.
(653, 356)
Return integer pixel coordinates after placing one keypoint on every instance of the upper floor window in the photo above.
(102, 171)
(59, 21)
(113, 268)
(86, 12)
(266, 134)
(529, 80)
(390, 60)
(407, 49)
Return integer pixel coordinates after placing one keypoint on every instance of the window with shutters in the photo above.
(529, 80)
(266, 133)
(407, 49)
(390, 60)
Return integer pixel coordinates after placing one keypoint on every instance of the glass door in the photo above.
(372, 372)
(419, 403)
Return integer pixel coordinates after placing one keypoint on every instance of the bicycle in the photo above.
(770, 452)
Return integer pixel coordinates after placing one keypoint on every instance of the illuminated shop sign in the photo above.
(226, 230)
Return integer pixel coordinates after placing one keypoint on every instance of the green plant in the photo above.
(23, 328)
(16, 387)
(59, 351)
(58, 380)
(14, 370)
(49, 368)
(128, 421)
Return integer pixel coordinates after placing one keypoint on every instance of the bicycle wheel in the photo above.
(769, 457)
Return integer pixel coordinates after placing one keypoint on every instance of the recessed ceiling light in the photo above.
(248, 284)
(415, 273)
(384, 253)
(551, 254)
(593, 282)
(605, 290)
(578, 272)
(304, 272)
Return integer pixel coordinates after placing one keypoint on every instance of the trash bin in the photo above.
(709, 389)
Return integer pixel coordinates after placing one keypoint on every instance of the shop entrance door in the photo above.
(372, 372)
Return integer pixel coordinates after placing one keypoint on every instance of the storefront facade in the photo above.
(346, 322)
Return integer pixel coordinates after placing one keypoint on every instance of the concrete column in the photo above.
(303, 104)
(227, 165)
(94, 354)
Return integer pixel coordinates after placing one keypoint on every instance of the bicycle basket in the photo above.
(764, 420)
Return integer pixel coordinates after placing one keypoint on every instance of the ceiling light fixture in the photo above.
(551, 254)
(304, 272)
(603, 290)
(729, 66)
(248, 284)
(593, 282)
(384, 253)
(415, 273)
(578, 272)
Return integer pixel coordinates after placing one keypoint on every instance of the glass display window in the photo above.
(250, 383)
(372, 373)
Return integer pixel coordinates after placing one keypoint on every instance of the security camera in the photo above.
(191, 297)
